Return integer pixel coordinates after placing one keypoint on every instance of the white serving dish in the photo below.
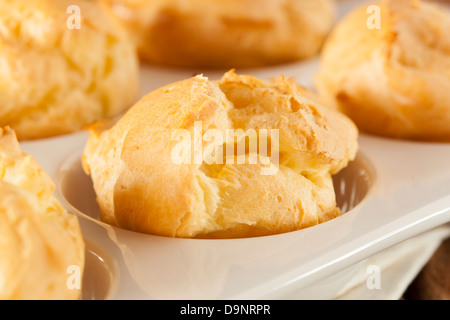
(395, 190)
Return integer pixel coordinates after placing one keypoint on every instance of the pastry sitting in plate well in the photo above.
(63, 64)
(41, 245)
(388, 68)
(224, 33)
(238, 157)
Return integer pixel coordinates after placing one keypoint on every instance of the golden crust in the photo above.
(39, 240)
(140, 187)
(393, 81)
(224, 33)
(53, 79)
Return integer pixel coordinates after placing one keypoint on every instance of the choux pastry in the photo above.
(224, 33)
(388, 69)
(142, 185)
(63, 65)
(42, 253)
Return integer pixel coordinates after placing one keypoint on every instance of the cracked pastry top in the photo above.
(140, 187)
(393, 79)
(56, 77)
(39, 240)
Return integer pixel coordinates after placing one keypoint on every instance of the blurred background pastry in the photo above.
(392, 80)
(224, 33)
(41, 245)
(140, 187)
(61, 68)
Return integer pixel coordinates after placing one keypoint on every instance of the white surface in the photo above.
(410, 195)
(398, 266)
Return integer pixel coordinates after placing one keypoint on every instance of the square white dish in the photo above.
(396, 190)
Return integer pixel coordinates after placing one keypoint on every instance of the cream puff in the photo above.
(42, 250)
(224, 33)
(238, 157)
(387, 66)
(63, 64)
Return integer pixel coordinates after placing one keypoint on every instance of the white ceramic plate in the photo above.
(393, 191)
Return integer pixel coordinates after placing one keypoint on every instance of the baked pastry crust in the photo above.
(224, 33)
(39, 240)
(393, 81)
(139, 186)
(54, 79)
